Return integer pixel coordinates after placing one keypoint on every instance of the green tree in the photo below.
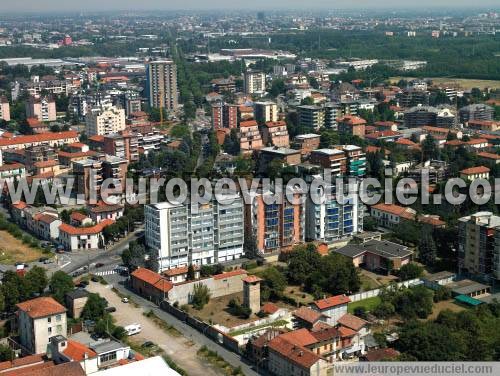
(6, 353)
(60, 283)
(190, 273)
(133, 257)
(37, 279)
(302, 262)
(410, 271)
(201, 296)
(94, 308)
(274, 282)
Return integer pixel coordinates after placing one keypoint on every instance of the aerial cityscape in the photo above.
(249, 189)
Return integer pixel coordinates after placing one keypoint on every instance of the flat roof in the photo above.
(468, 300)
(283, 151)
(328, 151)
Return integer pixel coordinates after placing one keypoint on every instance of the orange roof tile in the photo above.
(77, 216)
(153, 279)
(77, 351)
(43, 137)
(20, 205)
(332, 302)
(232, 273)
(248, 123)
(43, 164)
(299, 337)
(352, 120)
(41, 307)
(307, 314)
(394, 209)
(487, 155)
(270, 308)
(475, 141)
(475, 170)
(97, 138)
(179, 271)
(273, 124)
(96, 229)
(11, 166)
(251, 279)
(352, 322)
(296, 354)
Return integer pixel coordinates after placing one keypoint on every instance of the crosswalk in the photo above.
(106, 272)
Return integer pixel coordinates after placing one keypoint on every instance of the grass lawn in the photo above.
(13, 250)
(367, 283)
(369, 304)
(296, 293)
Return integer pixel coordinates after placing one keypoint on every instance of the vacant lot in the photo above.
(368, 304)
(301, 297)
(216, 311)
(444, 305)
(13, 250)
(462, 82)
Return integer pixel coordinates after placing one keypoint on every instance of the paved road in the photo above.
(109, 257)
(186, 330)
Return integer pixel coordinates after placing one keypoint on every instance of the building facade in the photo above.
(161, 84)
(104, 120)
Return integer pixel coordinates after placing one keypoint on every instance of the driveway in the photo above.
(180, 349)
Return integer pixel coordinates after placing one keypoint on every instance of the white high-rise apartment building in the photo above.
(181, 236)
(161, 84)
(334, 218)
(254, 82)
(104, 120)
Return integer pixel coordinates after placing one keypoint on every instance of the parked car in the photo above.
(99, 265)
(124, 300)
(133, 329)
(147, 344)
(110, 309)
(43, 259)
(95, 278)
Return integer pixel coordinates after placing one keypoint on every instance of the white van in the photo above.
(133, 329)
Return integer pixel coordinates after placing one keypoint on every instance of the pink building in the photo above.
(4, 109)
(275, 133)
(250, 136)
(44, 109)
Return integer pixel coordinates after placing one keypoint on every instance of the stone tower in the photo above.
(251, 293)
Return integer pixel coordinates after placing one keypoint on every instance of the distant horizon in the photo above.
(119, 6)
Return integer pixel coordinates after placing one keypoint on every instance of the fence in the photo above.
(372, 293)
(206, 329)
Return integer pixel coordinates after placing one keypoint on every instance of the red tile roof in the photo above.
(77, 216)
(352, 322)
(406, 142)
(487, 155)
(296, 354)
(11, 166)
(76, 351)
(300, 337)
(41, 307)
(307, 314)
(178, 271)
(43, 137)
(248, 123)
(352, 120)
(400, 211)
(475, 141)
(270, 308)
(230, 274)
(92, 230)
(22, 362)
(97, 138)
(475, 170)
(381, 354)
(332, 301)
(251, 279)
(47, 218)
(380, 134)
(153, 279)
(20, 205)
(272, 124)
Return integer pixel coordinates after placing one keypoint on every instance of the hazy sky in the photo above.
(95, 5)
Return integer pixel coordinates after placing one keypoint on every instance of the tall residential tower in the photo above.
(161, 84)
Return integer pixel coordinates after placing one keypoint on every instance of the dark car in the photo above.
(99, 265)
(110, 309)
(43, 259)
(95, 278)
(148, 344)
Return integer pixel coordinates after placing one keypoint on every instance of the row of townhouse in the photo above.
(83, 233)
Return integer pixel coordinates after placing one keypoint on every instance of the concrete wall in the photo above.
(372, 293)
(182, 293)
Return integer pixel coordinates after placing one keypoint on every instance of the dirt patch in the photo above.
(462, 82)
(444, 305)
(300, 296)
(216, 311)
(13, 250)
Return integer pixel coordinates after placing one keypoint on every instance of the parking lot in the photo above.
(180, 349)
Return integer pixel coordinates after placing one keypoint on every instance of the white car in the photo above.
(124, 300)
(133, 329)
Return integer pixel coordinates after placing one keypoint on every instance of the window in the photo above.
(108, 357)
(58, 318)
(49, 330)
(49, 319)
